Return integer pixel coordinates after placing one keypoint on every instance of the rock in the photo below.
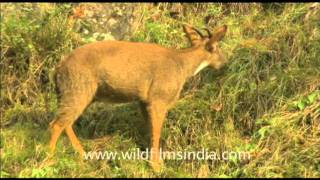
(114, 19)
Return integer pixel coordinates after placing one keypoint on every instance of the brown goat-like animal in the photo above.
(120, 71)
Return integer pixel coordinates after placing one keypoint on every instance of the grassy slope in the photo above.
(269, 94)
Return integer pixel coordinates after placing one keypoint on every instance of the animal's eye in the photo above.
(209, 48)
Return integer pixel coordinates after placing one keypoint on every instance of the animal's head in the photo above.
(209, 44)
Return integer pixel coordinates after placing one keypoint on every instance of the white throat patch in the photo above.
(201, 66)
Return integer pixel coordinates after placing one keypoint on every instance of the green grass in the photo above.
(266, 101)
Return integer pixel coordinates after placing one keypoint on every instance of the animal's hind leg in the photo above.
(74, 140)
(64, 122)
(55, 130)
(70, 109)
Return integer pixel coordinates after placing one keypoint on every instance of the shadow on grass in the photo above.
(103, 121)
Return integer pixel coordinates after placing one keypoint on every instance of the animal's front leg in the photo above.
(157, 112)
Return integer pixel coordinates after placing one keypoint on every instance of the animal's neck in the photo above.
(193, 61)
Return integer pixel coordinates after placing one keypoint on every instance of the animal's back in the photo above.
(122, 70)
(119, 56)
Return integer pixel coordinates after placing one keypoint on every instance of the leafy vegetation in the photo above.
(266, 101)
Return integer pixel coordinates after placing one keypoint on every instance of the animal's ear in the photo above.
(215, 38)
(192, 34)
(219, 34)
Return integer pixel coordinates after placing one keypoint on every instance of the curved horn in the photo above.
(208, 31)
(194, 35)
(200, 33)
